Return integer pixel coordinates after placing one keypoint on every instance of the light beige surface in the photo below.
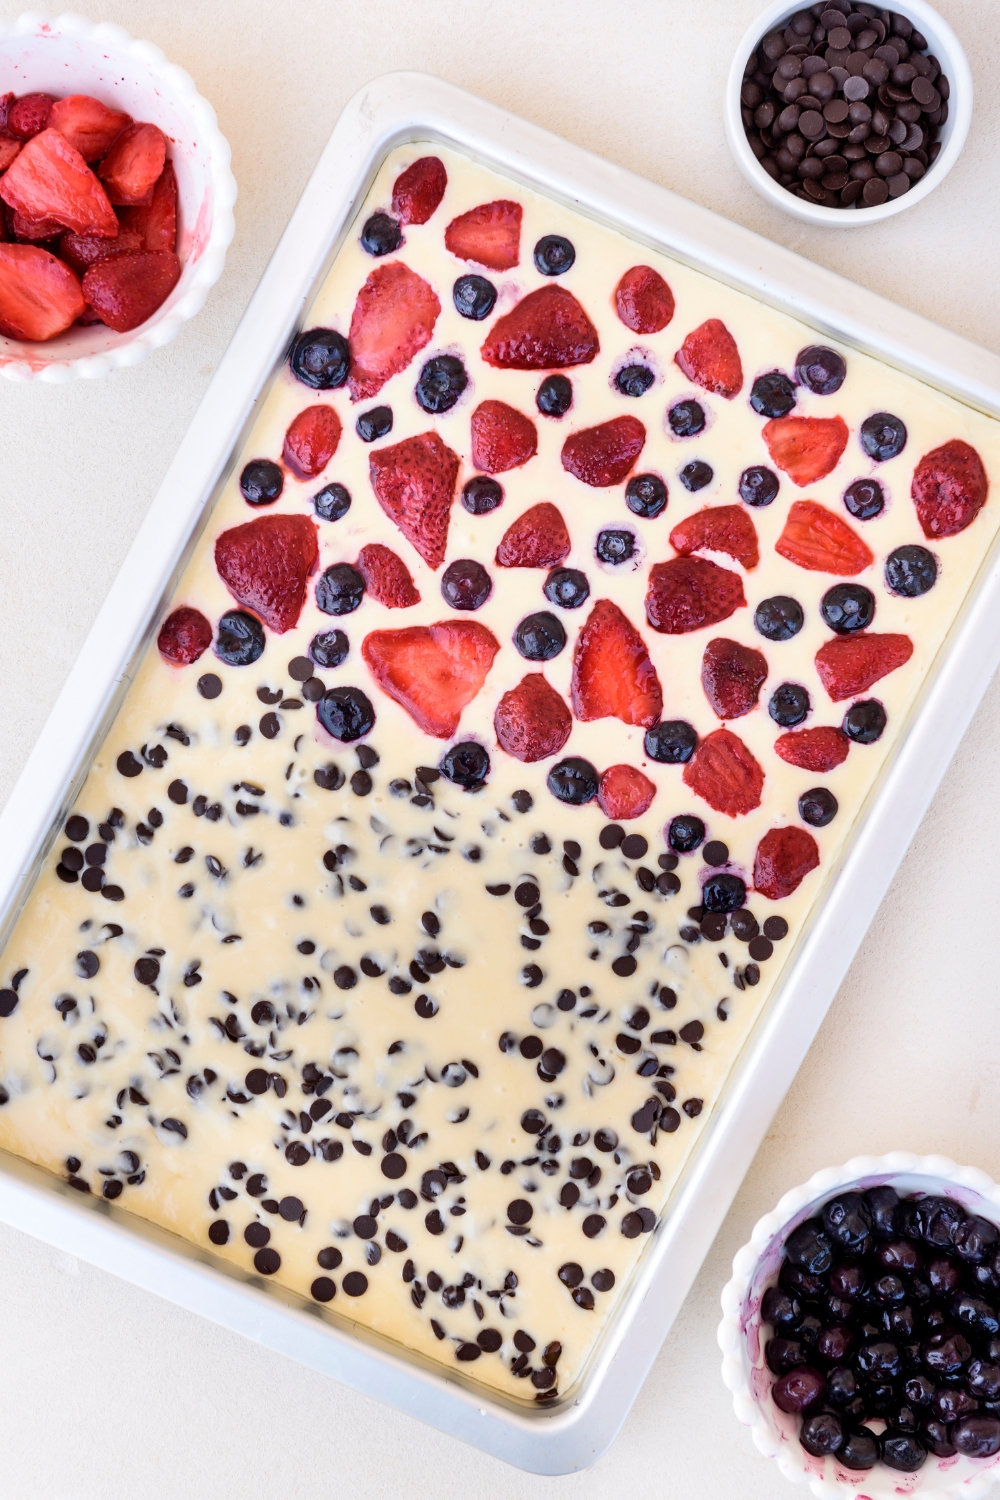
(922, 987)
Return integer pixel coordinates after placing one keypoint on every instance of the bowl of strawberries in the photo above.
(116, 199)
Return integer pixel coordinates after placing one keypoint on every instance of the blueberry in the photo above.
(474, 297)
(977, 1436)
(975, 1239)
(240, 640)
(321, 359)
(467, 765)
(381, 235)
(554, 254)
(567, 587)
(883, 1203)
(841, 1385)
(686, 419)
(758, 485)
(333, 502)
(859, 1450)
(772, 395)
(634, 380)
(346, 713)
(936, 1437)
(615, 547)
(723, 893)
(820, 370)
(339, 589)
(910, 571)
(779, 618)
(442, 380)
(789, 705)
(847, 1219)
(329, 648)
(481, 494)
(672, 743)
(646, 495)
(883, 436)
(864, 723)
(818, 807)
(780, 1309)
(261, 482)
(848, 607)
(555, 396)
(938, 1219)
(573, 780)
(695, 475)
(540, 637)
(374, 424)
(685, 833)
(465, 584)
(810, 1247)
(822, 1432)
(864, 499)
(901, 1450)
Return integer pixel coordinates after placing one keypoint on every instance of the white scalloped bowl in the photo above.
(755, 1268)
(71, 55)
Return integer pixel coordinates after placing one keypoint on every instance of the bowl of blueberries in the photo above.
(861, 1330)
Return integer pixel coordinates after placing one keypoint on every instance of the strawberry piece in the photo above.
(414, 482)
(949, 488)
(135, 161)
(50, 180)
(538, 539)
(127, 289)
(613, 677)
(732, 676)
(90, 126)
(387, 578)
(817, 539)
(625, 792)
(720, 528)
(184, 636)
(417, 192)
(6, 100)
(532, 722)
(8, 150)
(81, 250)
(710, 358)
(433, 671)
(643, 300)
(265, 564)
(818, 749)
(34, 231)
(311, 441)
(29, 115)
(502, 438)
(155, 222)
(39, 296)
(490, 235)
(393, 319)
(849, 664)
(783, 860)
(546, 330)
(690, 592)
(806, 448)
(723, 772)
(604, 455)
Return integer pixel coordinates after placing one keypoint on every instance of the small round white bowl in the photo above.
(943, 44)
(755, 1268)
(71, 55)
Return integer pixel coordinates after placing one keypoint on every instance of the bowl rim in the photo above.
(162, 327)
(954, 63)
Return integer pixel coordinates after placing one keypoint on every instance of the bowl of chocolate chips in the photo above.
(841, 113)
(861, 1330)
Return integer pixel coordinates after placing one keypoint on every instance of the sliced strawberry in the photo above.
(39, 296)
(613, 677)
(806, 448)
(690, 592)
(8, 150)
(724, 773)
(532, 721)
(720, 528)
(35, 231)
(538, 539)
(603, 455)
(155, 222)
(783, 860)
(732, 676)
(625, 792)
(265, 565)
(414, 482)
(127, 289)
(433, 671)
(387, 578)
(417, 192)
(90, 126)
(311, 441)
(135, 161)
(710, 358)
(849, 664)
(81, 250)
(818, 749)
(393, 319)
(949, 488)
(184, 636)
(502, 438)
(29, 115)
(490, 235)
(6, 100)
(546, 330)
(50, 180)
(817, 539)
(643, 300)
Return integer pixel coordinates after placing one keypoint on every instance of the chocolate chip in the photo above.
(355, 1283)
(267, 1261)
(592, 1225)
(218, 1232)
